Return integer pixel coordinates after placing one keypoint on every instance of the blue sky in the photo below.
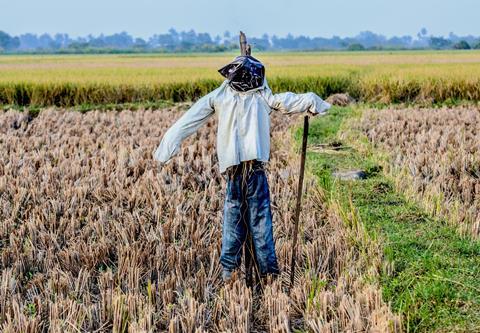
(142, 18)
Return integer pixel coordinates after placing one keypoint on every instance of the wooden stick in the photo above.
(299, 201)
(243, 44)
(245, 49)
(249, 256)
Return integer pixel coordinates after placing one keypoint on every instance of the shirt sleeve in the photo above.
(290, 103)
(185, 126)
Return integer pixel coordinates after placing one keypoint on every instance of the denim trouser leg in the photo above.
(234, 230)
(252, 206)
(260, 223)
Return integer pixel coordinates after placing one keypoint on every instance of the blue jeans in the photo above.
(247, 209)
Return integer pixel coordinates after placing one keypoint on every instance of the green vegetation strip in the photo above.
(430, 274)
(381, 90)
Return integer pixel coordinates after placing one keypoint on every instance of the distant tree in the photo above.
(275, 39)
(462, 45)
(190, 41)
(188, 37)
(422, 39)
(370, 39)
(61, 40)
(8, 42)
(97, 42)
(286, 43)
(452, 37)
(174, 35)
(140, 43)
(258, 44)
(28, 41)
(356, 47)
(78, 46)
(204, 38)
(122, 40)
(439, 43)
(399, 42)
(46, 42)
(320, 43)
(165, 41)
(344, 43)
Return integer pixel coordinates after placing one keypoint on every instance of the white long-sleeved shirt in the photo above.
(243, 122)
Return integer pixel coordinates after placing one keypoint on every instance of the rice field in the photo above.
(95, 236)
(435, 156)
(381, 77)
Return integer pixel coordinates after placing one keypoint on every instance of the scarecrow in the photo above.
(242, 105)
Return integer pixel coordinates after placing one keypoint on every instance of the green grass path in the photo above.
(430, 274)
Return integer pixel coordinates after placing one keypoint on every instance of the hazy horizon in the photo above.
(144, 18)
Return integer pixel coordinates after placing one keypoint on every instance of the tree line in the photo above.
(191, 41)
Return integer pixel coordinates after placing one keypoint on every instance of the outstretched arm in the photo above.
(185, 126)
(289, 103)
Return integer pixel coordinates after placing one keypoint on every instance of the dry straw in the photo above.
(96, 237)
(435, 158)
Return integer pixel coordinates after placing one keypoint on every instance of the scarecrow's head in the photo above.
(244, 73)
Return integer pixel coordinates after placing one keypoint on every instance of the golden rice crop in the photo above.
(435, 154)
(371, 76)
(95, 236)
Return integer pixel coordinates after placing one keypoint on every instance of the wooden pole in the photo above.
(243, 44)
(299, 201)
(249, 256)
